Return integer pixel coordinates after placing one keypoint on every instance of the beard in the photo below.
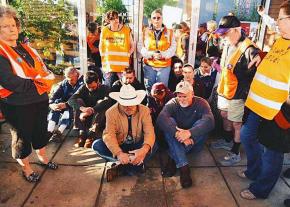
(183, 105)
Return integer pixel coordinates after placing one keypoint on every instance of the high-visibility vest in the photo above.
(163, 44)
(115, 49)
(179, 50)
(228, 84)
(39, 74)
(270, 86)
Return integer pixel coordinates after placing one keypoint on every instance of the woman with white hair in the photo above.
(24, 84)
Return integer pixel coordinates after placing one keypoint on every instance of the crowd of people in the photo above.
(174, 107)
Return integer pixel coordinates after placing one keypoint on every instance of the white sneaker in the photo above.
(231, 159)
(222, 144)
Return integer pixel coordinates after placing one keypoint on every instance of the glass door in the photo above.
(52, 28)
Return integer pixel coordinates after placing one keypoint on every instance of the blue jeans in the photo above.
(58, 118)
(155, 75)
(270, 169)
(177, 151)
(263, 165)
(102, 150)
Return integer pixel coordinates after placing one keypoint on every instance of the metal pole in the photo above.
(194, 30)
(137, 32)
(260, 42)
(82, 35)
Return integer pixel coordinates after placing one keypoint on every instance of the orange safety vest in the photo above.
(41, 76)
(228, 84)
(163, 44)
(115, 49)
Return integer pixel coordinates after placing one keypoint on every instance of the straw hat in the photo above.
(128, 96)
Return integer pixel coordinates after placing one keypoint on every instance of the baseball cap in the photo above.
(184, 87)
(158, 88)
(226, 23)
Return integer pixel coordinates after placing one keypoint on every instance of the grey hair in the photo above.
(70, 70)
(8, 11)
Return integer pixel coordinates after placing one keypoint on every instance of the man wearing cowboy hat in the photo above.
(129, 134)
(185, 122)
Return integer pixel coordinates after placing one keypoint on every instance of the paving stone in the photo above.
(14, 189)
(5, 150)
(202, 158)
(276, 198)
(145, 190)
(5, 128)
(70, 155)
(287, 159)
(286, 180)
(68, 186)
(208, 188)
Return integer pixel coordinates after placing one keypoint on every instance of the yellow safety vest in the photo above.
(115, 49)
(270, 87)
(162, 45)
(42, 78)
(228, 84)
(179, 50)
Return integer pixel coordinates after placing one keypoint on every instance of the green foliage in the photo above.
(45, 20)
(117, 5)
(151, 5)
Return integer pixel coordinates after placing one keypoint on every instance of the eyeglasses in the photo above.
(281, 18)
(157, 18)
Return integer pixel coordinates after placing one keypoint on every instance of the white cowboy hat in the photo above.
(128, 96)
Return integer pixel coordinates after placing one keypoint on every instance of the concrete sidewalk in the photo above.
(80, 182)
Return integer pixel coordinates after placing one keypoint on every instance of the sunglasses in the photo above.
(157, 18)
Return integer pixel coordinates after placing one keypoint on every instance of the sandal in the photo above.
(32, 178)
(247, 194)
(49, 165)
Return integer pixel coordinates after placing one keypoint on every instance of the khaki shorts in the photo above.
(236, 110)
(222, 103)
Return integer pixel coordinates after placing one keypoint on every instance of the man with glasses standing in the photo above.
(157, 50)
(234, 83)
(116, 47)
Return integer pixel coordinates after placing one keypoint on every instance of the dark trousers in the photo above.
(92, 126)
(29, 127)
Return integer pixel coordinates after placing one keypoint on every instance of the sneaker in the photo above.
(221, 144)
(56, 137)
(230, 159)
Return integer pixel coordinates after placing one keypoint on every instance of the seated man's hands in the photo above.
(123, 158)
(188, 142)
(182, 134)
(57, 106)
(54, 107)
(139, 155)
(86, 111)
